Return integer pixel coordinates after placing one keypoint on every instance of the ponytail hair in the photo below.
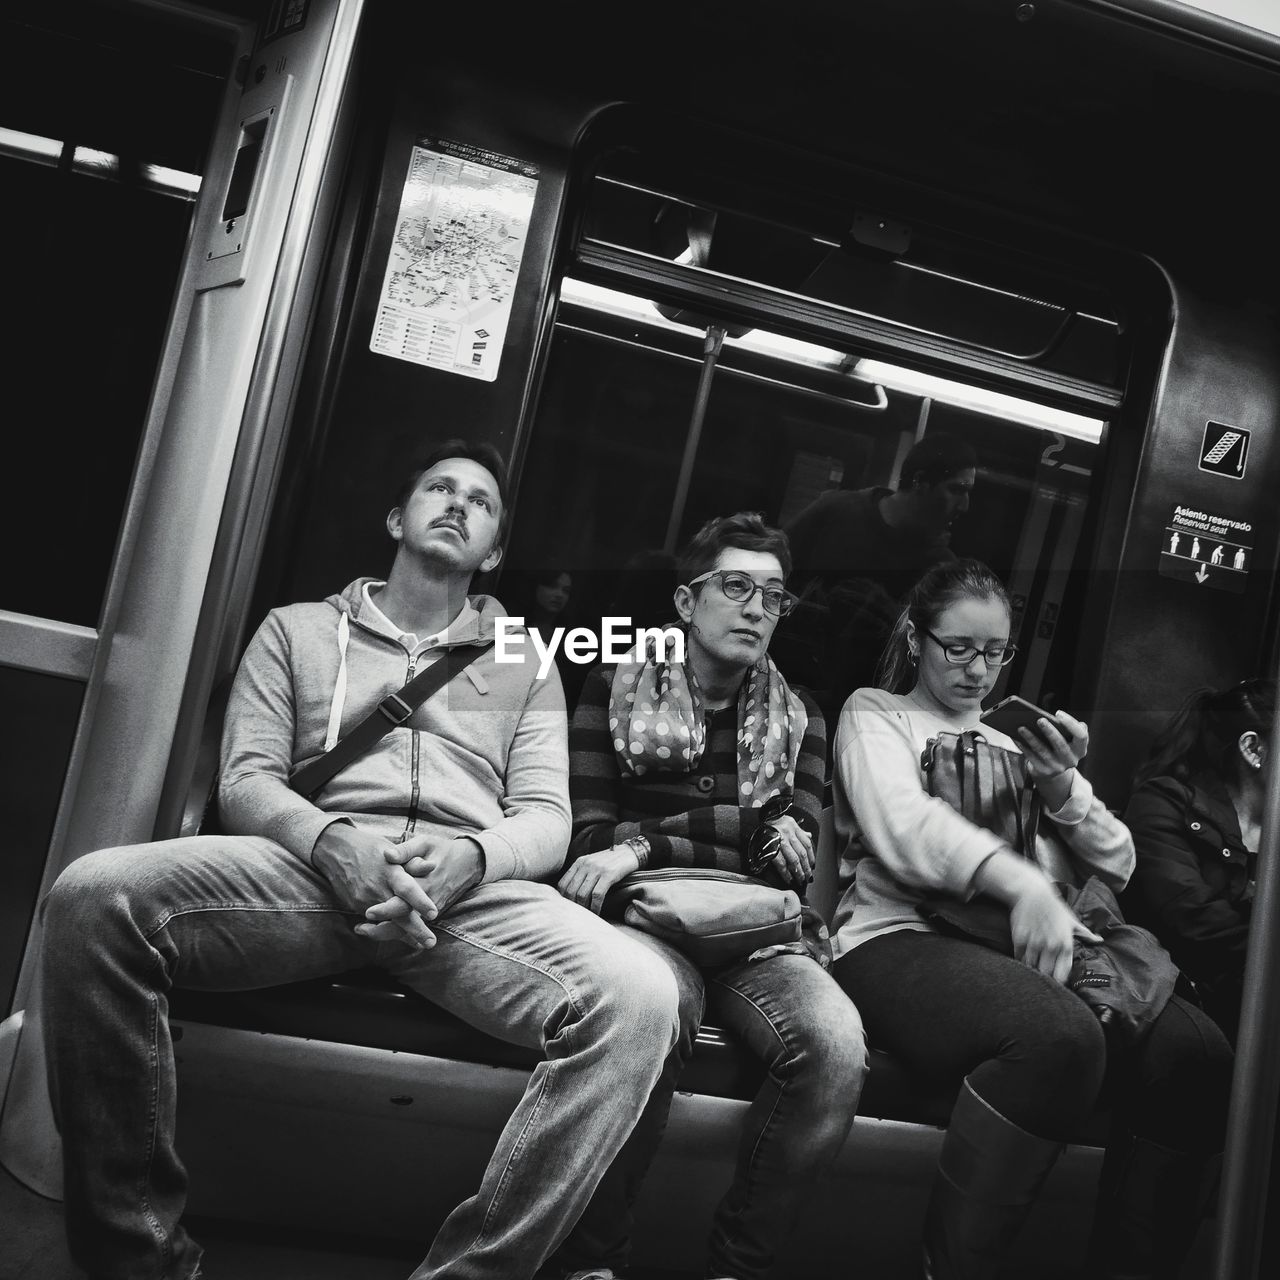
(1204, 732)
(938, 589)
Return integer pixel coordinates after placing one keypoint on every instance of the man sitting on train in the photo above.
(427, 856)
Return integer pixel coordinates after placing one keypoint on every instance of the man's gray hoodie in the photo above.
(486, 756)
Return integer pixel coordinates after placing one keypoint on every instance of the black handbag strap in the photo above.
(393, 710)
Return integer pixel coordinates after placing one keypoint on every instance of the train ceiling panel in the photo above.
(1088, 116)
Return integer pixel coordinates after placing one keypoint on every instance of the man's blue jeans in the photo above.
(788, 1012)
(515, 959)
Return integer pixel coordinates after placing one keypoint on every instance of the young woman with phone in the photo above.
(1027, 1055)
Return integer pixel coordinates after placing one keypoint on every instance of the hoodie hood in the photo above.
(477, 628)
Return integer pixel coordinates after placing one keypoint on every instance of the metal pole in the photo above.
(1251, 1121)
(710, 352)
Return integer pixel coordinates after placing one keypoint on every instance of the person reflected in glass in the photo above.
(1196, 817)
(858, 552)
(718, 762)
(1028, 1056)
(542, 598)
(551, 591)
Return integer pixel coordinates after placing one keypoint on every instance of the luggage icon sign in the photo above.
(1224, 449)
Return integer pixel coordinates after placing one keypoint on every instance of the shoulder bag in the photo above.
(985, 783)
(714, 917)
(391, 711)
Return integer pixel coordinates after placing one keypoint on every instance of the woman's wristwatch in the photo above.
(641, 846)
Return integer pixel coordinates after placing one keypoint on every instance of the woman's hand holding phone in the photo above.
(1053, 748)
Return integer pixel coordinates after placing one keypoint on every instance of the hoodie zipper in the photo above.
(411, 821)
(415, 789)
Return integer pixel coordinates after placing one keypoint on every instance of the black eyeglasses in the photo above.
(740, 587)
(994, 655)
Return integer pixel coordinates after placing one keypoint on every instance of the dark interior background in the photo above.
(1065, 151)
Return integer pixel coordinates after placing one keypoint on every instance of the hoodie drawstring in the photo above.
(340, 685)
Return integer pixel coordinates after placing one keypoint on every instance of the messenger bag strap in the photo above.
(393, 710)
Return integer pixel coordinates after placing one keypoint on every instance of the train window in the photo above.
(602, 493)
(736, 333)
(105, 113)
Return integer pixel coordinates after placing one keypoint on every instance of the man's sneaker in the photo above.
(594, 1273)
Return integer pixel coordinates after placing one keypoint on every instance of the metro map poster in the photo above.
(455, 256)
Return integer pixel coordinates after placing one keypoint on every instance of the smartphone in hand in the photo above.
(1014, 713)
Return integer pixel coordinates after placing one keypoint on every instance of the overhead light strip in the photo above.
(29, 146)
(97, 164)
(893, 377)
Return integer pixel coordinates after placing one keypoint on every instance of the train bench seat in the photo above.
(368, 1008)
(273, 1082)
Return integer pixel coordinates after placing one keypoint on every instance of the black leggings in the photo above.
(950, 1009)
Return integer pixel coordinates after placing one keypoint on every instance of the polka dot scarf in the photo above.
(658, 723)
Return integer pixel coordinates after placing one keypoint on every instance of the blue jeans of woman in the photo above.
(513, 958)
(789, 1014)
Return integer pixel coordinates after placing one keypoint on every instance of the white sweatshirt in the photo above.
(899, 844)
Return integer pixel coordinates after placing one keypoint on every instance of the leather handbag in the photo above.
(988, 785)
(1127, 979)
(985, 783)
(714, 917)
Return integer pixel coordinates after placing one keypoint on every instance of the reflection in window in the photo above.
(787, 424)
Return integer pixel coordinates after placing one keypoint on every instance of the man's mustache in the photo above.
(453, 522)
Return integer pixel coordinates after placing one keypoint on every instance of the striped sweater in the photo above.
(690, 819)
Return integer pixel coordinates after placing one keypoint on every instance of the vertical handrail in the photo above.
(710, 353)
(1251, 1120)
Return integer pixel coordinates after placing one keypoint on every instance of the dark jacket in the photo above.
(1193, 885)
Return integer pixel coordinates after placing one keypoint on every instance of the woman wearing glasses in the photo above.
(717, 762)
(1026, 1053)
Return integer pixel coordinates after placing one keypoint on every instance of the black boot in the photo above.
(989, 1174)
(1150, 1204)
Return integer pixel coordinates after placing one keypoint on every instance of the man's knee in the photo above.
(690, 1004)
(128, 888)
(83, 892)
(690, 988)
(637, 998)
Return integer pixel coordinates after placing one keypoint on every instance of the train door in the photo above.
(175, 187)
